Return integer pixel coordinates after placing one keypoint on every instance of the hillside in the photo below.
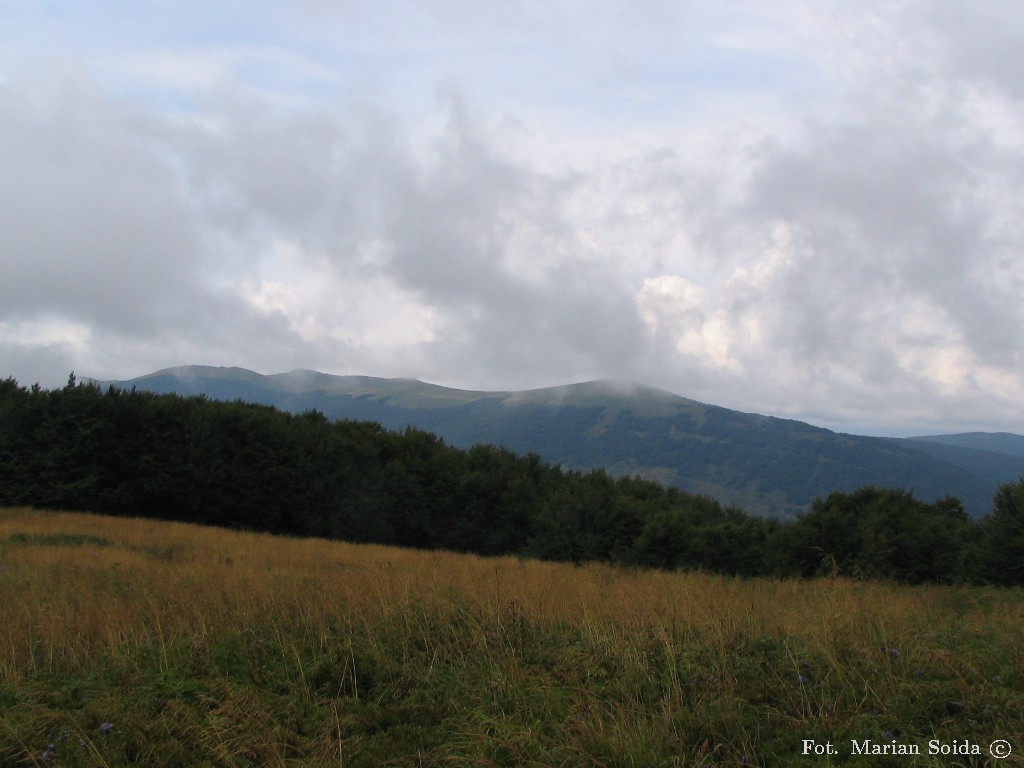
(131, 642)
(764, 465)
(253, 466)
(1005, 443)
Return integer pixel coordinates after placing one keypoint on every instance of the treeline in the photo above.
(249, 466)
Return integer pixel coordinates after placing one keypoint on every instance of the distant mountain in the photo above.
(993, 442)
(764, 465)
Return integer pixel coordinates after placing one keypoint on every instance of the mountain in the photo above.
(762, 464)
(992, 442)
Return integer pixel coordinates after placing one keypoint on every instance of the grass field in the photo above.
(128, 642)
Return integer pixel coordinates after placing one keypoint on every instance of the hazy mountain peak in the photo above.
(187, 372)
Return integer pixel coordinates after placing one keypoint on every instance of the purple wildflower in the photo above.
(106, 727)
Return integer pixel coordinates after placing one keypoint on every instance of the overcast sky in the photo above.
(808, 210)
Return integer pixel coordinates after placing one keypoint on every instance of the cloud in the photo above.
(102, 234)
(93, 228)
(808, 212)
(900, 217)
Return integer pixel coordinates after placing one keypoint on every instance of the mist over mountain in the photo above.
(762, 464)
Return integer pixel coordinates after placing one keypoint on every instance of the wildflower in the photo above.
(894, 652)
(801, 679)
(106, 727)
(50, 751)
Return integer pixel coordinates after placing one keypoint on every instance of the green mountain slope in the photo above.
(991, 442)
(764, 465)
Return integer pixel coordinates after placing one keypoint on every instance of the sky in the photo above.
(807, 210)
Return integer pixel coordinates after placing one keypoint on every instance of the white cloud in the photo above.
(45, 332)
(673, 310)
(322, 309)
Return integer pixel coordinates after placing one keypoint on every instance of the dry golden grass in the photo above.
(191, 578)
(624, 652)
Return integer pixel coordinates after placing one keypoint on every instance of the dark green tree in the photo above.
(1000, 543)
(877, 533)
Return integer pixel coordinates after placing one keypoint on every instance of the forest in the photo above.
(253, 467)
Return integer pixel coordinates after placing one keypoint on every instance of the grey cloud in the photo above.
(369, 197)
(99, 231)
(977, 41)
(892, 209)
(451, 234)
(47, 365)
(92, 227)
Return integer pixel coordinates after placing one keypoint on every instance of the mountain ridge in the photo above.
(764, 464)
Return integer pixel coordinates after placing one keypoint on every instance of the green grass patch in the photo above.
(56, 540)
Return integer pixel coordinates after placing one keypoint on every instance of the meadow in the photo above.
(131, 642)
